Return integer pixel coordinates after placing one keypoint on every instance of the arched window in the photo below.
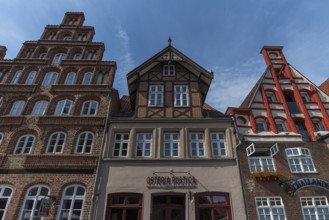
(317, 124)
(102, 78)
(25, 144)
(72, 202)
(15, 79)
(58, 58)
(42, 55)
(270, 97)
(30, 78)
(50, 79)
(305, 97)
(69, 80)
(40, 107)
(87, 77)
(67, 37)
(84, 143)
(5, 196)
(17, 108)
(89, 108)
(32, 201)
(280, 125)
(77, 56)
(56, 142)
(261, 124)
(63, 107)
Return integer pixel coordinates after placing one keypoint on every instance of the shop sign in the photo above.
(308, 182)
(171, 181)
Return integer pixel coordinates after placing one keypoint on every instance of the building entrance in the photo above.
(168, 207)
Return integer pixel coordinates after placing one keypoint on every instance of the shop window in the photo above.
(120, 148)
(156, 95)
(181, 96)
(5, 196)
(40, 108)
(50, 79)
(168, 70)
(280, 125)
(25, 144)
(261, 159)
(89, 108)
(261, 125)
(317, 125)
(87, 77)
(197, 144)
(124, 206)
(63, 107)
(218, 144)
(30, 78)
(305, 97)
(270, 97)
(58, 58)
(300, 160)
(70, 77)
(143, 144)
(72, 202)
(56, 142)
(212, 206)
(84, 143)
(16, 77)
(171, 144)
(32, 202)
(270, 208)
(17, 108)
(315, 207)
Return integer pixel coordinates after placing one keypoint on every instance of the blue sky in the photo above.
(224, 36)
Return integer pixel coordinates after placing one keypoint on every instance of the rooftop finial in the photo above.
(169, 41)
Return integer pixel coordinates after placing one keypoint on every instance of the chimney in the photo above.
(3, 50)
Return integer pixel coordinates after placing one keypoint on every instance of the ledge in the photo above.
(71, 120)
(17, 88)
(80, 88)
(11, 120)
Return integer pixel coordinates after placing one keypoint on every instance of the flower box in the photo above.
(265, 175)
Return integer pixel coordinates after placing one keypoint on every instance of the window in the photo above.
(305, 97)
(15, 79)
(280, 125)
(156, 95)
(181, 96)
(120, 148)
(5, 196)
(77, 56)
(17, 108)
(300, 160)
(317, 125)
(197, 144)
(30, 78)
(63, 107)
(50, 79)
(40, 107)
(58, 58)
(1, 137)
(270, 208)
(1, 101)
(124, 206)
(56, 142)
(87, 77)
(42, 55)
(261, 159)
(171, 144)
(315, 208)
(102, 78)
(92, 54)
(32, 201)
(85, 143)
(89, 108)
(270, 97)
(143, 144)
(24, 144)
(70, 77)
(67, 37)
(72, 202)
(261, 125)
(213, 206)
(218, 144)
(169, 70)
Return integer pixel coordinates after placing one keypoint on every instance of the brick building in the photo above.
(169, 155)
(54, 99)
(283, 126)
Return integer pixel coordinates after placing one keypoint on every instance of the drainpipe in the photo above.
(238, 164)
(94, 196)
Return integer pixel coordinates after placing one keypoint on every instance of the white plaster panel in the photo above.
(284, 81)
(326, 106)
(323, 97)
(257, 105)
(271, 87)
(259, 113)
(295, 73)
(276, 106)
(279, 114)
(300, 80)
(268, 74)
(245, 117)
(268, 81)
(258, 97)
(286, 87)
(315, 113)
(312, 106)
(304, 86)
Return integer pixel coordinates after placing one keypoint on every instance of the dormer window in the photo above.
(280, 125)
(261, 125)
(169, 70)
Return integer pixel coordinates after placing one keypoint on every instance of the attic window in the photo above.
(262, 152)
(169, 70)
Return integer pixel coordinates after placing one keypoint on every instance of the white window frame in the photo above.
(16, 77)
(156, 93)
(218, 144)
(24, 142)
(58, 58)
(300, 157)
(316, 203)
(3, 188)
(89, 107)
(85, 142)
(197, 144)
(73, 198)
(270, 97)
(305, 96)
(250, 149)
(17, 108)
(50, 79)
(36, 201)
(77, 56)
(87, 78)
(31, 77)
(70, 78)
(261, 125)
(272, 205)
(143, 144)
(168, 70)
(1, 137)
(262, 163)
(171, 144)
(63, 107)
(181, 96)
(40, 107)
(282, 124)
(102, 78)
(317, 125)
(56, 143)
(120, 144)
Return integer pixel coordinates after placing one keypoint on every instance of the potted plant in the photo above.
(265, 175)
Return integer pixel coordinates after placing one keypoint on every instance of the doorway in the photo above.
(168, 207)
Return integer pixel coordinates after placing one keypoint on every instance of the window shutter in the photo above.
(250, 150)
(274, 149)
